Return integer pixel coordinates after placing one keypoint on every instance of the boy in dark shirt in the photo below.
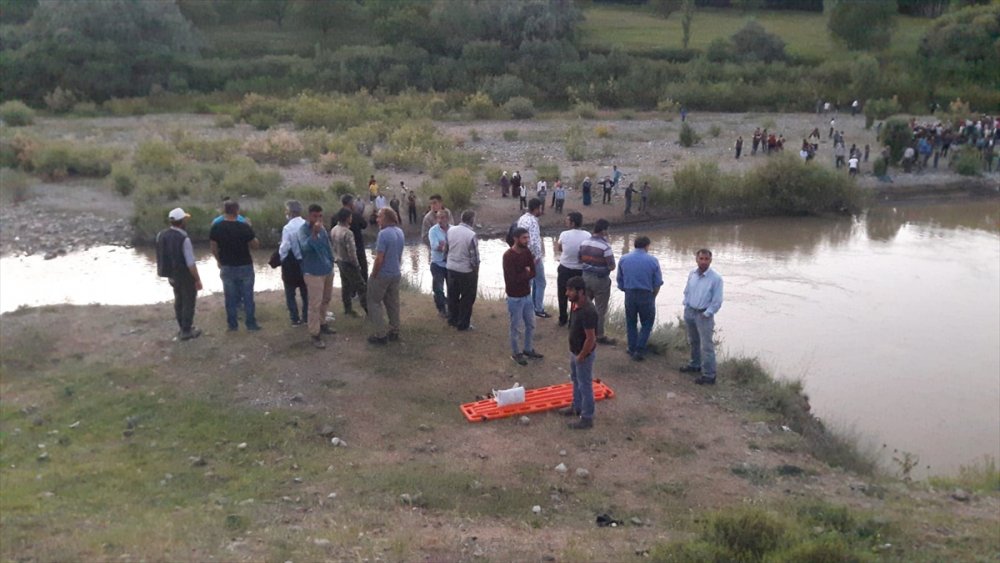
(231, 243)
(518, 271)
(583, 350)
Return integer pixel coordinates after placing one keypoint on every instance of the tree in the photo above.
(324, 14)
(964, 44)
(665, 7)
(753, 42)
(274, 10)
(861, 25)
(897, 135)
(864, 76)
(748, 5)
(687, 10)
(16, 11)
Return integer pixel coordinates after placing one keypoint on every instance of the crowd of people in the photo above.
(513, 186)
(310, 252)
(935, 140)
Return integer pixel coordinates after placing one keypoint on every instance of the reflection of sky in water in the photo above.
(893, 320)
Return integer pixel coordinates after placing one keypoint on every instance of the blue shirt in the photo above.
(239, 219)
(437, 235)
(639, 270)
(317, 253)
(390, 242)
(704, 291)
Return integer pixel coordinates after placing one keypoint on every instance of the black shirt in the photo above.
(233, 239)
(580, 320)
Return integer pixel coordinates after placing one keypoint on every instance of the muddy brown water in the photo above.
(892, 319)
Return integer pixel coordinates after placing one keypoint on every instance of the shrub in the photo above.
(225, 121)
(123, 179)
(278, 147)
(753, 42)
(880, 108)
(788, 186)
(714, 131)
(687, 136)
(510, 135)
(123, 107)
(306, 193)
(474, 135)
(580, 174)
(747, 534)
(19, 151)
(603, 131)
(896, 133)
(520, 107)
(700, 189)
(156, 157)
(244, 177)
(458, 187)
(479, 105)
(585, 110)
(85, 109)
(16, 114)
(261, 121)
(576, 144)
(60, 159)
(667, 105)
(205, 150)
(548, 170)
(59, 100)
(14, 186)
(342, 188)
(437, 108)
(880, 167)
(608, 151)
(968, 162)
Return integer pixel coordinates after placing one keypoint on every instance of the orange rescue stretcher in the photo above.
(535, 400)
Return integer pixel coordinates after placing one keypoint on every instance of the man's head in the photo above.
(442, 219)
(315, 213)
(469, 217)
(436, 203)
(293, 208)
(520, 236)
(231, 208)
(386, 217)
(574, 219)
(601, 227)
(642, 243)
(177, 217)
(704, 259)
(576, 290)
(347, 201)
(344, 216)
(535, 206)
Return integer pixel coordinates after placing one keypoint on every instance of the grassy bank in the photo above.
(118, 443)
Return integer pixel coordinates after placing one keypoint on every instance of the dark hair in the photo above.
(601, 226)
(343, 215)
(468, 216)
(576, 218)
(642, 242)
(518, 232)
(704, 251)
(576, 282)
(347, 199)
(534, 203)
(314, 208)
(435, 197)
(293, 206)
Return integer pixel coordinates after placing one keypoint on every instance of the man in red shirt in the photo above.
(518, 271)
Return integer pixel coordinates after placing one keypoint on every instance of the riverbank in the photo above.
(220, 447)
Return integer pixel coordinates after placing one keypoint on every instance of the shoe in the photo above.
(702, 380)
(519, 359)
(379, 340)
(637, 357)
(533, 355)
(233, 329)
(298, 323)
(393, 336)
(607, 341)
(690, 369)
(582, 424)
(351, 313)
(317, 342)
(443, 314)
(568, 411)
(542, 315)
(562, 322)
(190, 335)
(325, 329)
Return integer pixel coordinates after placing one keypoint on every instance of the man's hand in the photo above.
(198, 286)
(580, 358)
(317, 227)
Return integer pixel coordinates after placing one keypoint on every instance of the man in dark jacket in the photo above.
(175, 261)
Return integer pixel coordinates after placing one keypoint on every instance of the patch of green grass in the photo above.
(980, 476)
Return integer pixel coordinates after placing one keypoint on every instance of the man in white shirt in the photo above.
(568, 247)
(529, 221)
(542, 191)
(852, 165)
(463, 271)
(290, 254)
(380, 202)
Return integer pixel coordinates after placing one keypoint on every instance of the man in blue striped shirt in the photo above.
(702, 300)
(598, 262)
(640, 278)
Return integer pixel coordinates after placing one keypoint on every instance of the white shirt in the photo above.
(570, 242)
(530, 222)
(524, 191)
(290, 238)
(379, 202)
(853, 162)
(542, 185)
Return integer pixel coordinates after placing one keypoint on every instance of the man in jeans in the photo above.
(438, 236)
(175, 261)
(568, 247)
(529, 222)
(383, 285)
(463, 271)
(345, 254)
(598, 262)
(582, 352)
(702, 300)
(231, 243)
(317, 269)
(640, 278)
(291, 263)
(518, 271)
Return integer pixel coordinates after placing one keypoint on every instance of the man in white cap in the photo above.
(175, 261)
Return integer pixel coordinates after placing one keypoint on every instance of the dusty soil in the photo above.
(662, 450)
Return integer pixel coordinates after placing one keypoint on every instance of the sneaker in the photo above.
(568, 411)
(690, 369)
(443, 314)
(253, 328)
(351, 313)
(607, 341)
(325, 329)
(533, 355)
(582, 424)
(298, 323)
(393, 336)
(638, 357)
(317, 342)
(519, 359)
(190, 335)
(542, 315)
(233, 329)
(379, 340)
(702, 380)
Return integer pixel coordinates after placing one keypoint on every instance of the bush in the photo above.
(85, 109)
(123, 179)
(968, 162)
(576, 144)
(225, 121)
(306, 193)
(342, 188)
(123, 107)
(205, 150)
(754, 43)
(479, 105)
(687, 136)
(701, 189)
(16, 114)
(60, 159)
(714, 131)
(880, 108)
(788, 186)
(548, 170)
(278, 147)
(747, 534)
(585, 110)
(59, 100)
(474, 135)
(603, 131)
(156, 158)
(520, 107)
(244, 177)
(880, 167)
(458, 188)
(510, 135)
(261, 121)
(896, 133)
(14, 186)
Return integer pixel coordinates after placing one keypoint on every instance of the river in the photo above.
(892, 319)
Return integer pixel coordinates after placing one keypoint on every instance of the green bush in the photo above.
(747, 534)
(342, 188)
(787, 185)
(86, 109)
(245, 178)
(16, 114)
(897, 135)
(261, 121)
(59, 159)
(714, 131)
(968, 162)
(701, 189)
(123, 179)
(576, 144)
(480, 105)
(225, 121)
(548, 170)
(584, 110)
(307, 193)
(59, 100)
(277, 147)
(474, 135)
(14, 186)
(458, 187)
(880, 167)
(520, 107)
(687, 136)
(510, 135)
(880, 108)
(123, 107)
(156, 158)
(207, 150)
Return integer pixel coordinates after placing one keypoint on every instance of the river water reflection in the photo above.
(892, 320)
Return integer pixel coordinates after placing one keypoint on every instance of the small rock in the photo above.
(321, 542)
(198, 461)
(636, 521)
(337, 442)
(242, 446)
(562, 453)
(44, 456)
(38, 421)
(671, 395)
(75, 424)
(297, 479)
(536, 509)
(424, 428)
(582, 473)
(961, 495)
(331, 495)
(47, 494)
(297, 398)
(327, 431)
(524, 421)
(561, 468)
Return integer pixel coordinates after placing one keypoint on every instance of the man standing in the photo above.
(231, 244)
(518, 271)
(175, 261)
(372, 188)
(504, 184)
(358, 226)
(629, 192)
(559, 197)
(515, 184)
(290, 254)
(463, 271)
(383, 285)
(542, 191)
(345, 254)
(639, 277)
(317, 270)
(644, 197)
(438, 236)
(394, 204)
(380, 202)
(739, 146)
(411, 206)
(616, 177)
(529, 222)
(598, 261)
(755, 142)
(606, 185)
(702, 300)
(568, 247)
(522, 197)
(430, 218)
(582, 353)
